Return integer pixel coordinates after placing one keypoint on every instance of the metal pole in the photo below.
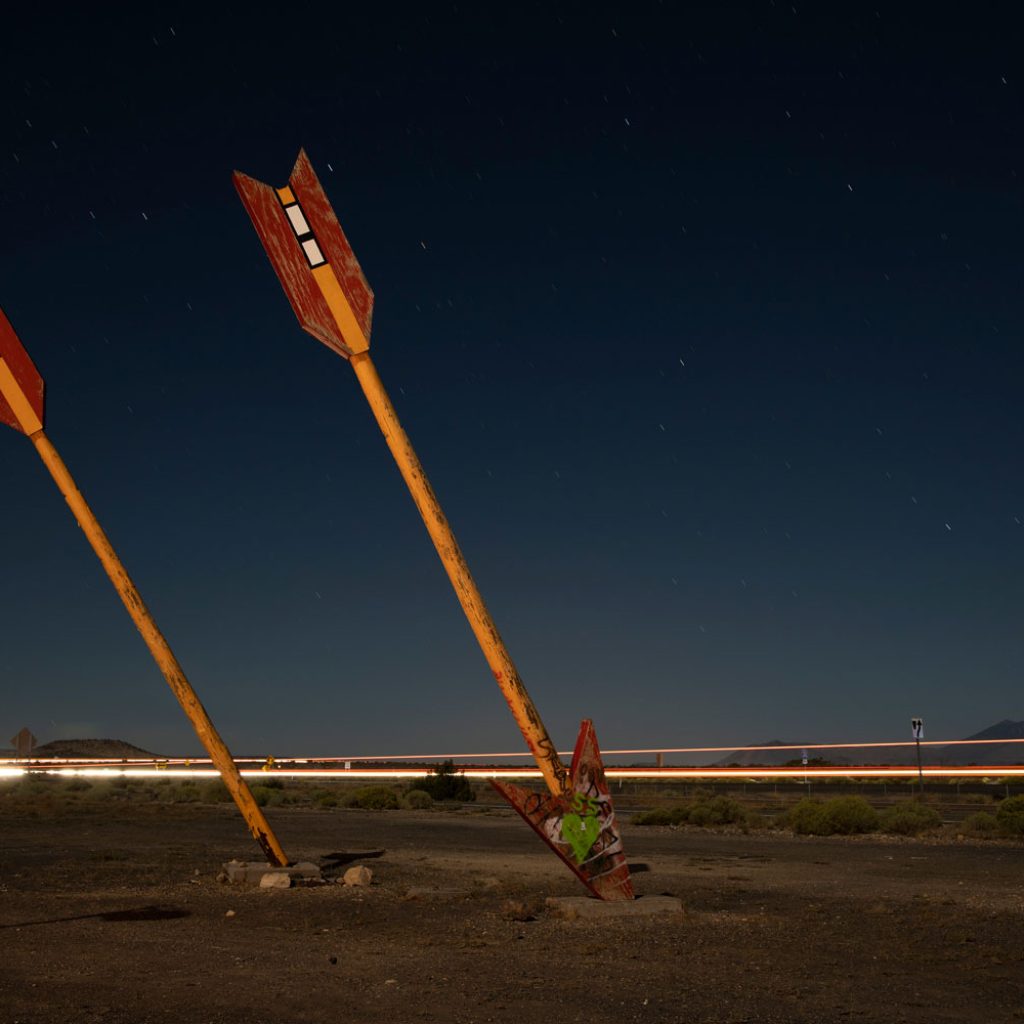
(920, 772)
(161, 651)
(523, 709)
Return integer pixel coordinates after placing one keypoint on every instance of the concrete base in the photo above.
(251, 872)
(572, 907)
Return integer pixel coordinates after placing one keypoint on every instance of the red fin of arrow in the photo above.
(26, 376)
(327, 229)
(580, 826)
(264, 206)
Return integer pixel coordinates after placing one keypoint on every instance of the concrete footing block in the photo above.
(573, 907)
(251, 872)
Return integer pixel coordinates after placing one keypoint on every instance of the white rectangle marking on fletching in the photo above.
(313, 253)
(299, 225)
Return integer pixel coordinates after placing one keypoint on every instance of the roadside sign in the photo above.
(917, 726)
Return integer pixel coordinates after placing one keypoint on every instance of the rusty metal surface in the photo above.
(310, 293)
(332, 241)
(25, 374)
(580, 826)
(289, 263)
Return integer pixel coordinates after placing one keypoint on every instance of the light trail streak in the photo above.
(493, 756)
(798, 773)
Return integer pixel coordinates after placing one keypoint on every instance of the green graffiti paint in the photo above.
(580, 827)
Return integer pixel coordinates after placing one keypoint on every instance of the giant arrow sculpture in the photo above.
(333, 302)
(22, 407)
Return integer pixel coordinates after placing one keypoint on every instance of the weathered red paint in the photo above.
(31, 383)
(286, 256)
(594, 854)
(281, 245)
(332, 241)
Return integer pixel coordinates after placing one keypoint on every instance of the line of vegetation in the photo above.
(844, 815)
(42, 795)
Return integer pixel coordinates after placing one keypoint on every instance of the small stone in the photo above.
(276, 880)
(230, 913)
(391, 981)
(332, 959)
(222, 877)
(357, 876)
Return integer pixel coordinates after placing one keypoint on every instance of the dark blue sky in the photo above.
(707, 326)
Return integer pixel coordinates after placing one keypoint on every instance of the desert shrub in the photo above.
(260, 794)
(372, 798)
(807, 818)
(1010, 816)
(214, 792)
(78, 786)
(186, 793)
(271, 783)
(980, 823)
(909, 818)
(719, 810)
(843, 815)
(658, 816)
(445, 783)
(703, 812)
(417, 800)
(324, 797)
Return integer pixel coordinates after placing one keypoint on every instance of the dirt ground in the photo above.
(119, 919)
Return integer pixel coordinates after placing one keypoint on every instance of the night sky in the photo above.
(706, 324)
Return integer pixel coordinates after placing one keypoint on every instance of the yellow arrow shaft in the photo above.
(161, 651)
(523, 709)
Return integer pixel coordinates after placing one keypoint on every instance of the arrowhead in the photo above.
(580, 826)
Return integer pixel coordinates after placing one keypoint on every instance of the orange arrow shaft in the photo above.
(161, 651)
(523, 709)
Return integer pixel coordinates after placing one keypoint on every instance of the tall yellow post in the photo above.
(161, 651)
(523, 709)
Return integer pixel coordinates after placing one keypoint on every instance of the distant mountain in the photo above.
(772, 758)
(953, 754)
(988, 753)
(114, 749)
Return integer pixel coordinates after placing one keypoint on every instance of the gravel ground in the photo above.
(120, 918)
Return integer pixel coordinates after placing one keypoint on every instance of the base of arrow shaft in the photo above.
(161, 652)
(523, 709)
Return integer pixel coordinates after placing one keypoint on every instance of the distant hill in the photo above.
(953, 754)
(113, 749)
(771, 758)
(989, 753)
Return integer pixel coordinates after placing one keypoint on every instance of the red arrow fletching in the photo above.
(290, 263)
(327, 229)
(26, 376)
